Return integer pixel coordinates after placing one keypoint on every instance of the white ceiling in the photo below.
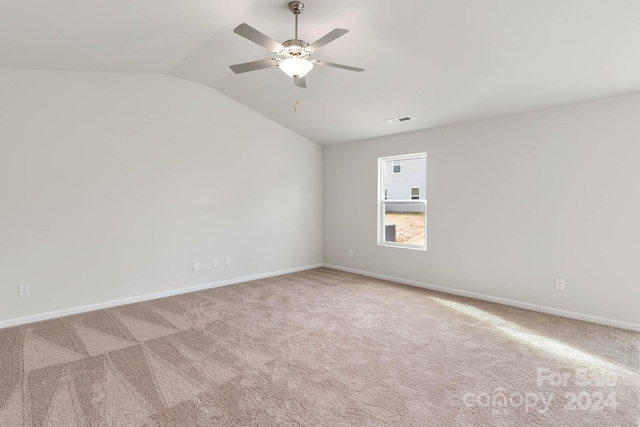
(439, 61)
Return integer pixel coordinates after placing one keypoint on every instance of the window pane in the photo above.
(404, 223)
(402, 214)
(413, 174)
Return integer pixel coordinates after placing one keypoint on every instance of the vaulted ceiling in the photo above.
(439, 61)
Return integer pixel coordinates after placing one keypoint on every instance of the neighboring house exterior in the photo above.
(405, 180)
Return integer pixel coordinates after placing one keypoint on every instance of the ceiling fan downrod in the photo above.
(296, 8)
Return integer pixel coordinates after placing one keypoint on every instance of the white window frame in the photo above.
(382, 200)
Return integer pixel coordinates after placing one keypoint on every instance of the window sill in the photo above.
(402, 246)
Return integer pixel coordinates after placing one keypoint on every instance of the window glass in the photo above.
(403, 214)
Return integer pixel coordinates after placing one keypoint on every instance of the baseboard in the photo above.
(140, 298)
(483, 297)
(114, 303)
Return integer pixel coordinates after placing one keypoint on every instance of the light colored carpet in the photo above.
(318, 348)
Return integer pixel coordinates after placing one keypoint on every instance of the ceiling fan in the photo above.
(295, 53)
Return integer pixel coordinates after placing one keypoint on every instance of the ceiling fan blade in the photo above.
(344, 67)
(254, 65)
(300, 82)
(338, 32)
(256, 36)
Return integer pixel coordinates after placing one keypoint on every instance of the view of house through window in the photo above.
(415, 193)
(402, 217)
(397, 167)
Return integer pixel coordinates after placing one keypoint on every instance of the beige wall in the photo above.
(513, 203)
(111, 185)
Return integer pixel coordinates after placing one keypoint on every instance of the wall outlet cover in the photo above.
(24, 290)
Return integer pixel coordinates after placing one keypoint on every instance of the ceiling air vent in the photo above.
(398, 120)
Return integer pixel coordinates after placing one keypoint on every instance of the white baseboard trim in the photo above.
(533, 307)
(140, 298)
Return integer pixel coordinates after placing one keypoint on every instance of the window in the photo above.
(402, 215)
(415, 193)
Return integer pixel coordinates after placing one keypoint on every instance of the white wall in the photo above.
(111, 185)
(514, 203)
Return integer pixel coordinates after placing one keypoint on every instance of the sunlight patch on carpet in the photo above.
(552, 346)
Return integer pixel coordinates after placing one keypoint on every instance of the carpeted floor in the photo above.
(318, 348)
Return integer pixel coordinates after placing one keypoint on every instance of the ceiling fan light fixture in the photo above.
(295, 67)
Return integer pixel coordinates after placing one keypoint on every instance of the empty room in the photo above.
(319, 213)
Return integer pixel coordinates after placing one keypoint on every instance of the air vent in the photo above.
(398, 120)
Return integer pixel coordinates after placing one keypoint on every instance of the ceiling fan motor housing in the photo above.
(296, 48)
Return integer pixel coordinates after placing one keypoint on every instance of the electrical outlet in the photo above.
(24, 290)
(216, 263)
(560, 284)
(196, 265)
(228, 262)
(350, 252)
